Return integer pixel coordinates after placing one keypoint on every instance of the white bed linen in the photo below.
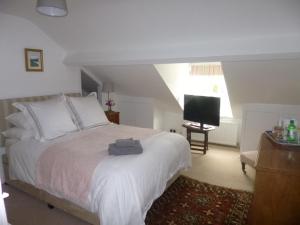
(123, 187)
(24, 154)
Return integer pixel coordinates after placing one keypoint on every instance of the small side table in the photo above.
(113, 116)
(196, 129)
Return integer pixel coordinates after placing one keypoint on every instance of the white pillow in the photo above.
(87, 111)
(18, 133)
(18, 119)
(22, 120)
(51, 117)
(10, 141)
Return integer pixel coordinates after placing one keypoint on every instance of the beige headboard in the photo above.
(6, 108)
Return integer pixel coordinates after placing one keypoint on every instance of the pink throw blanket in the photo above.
(65, 169)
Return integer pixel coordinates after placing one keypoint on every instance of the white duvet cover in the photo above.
(123, 188)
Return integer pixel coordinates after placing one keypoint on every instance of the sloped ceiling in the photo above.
(140, 31)
(101, 33)
(267, 81)
(137, 80)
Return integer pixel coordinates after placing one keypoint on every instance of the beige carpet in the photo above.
(220, 166)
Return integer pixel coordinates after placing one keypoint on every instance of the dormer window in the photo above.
(207, 79)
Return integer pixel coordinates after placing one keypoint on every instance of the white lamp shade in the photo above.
(52, 7)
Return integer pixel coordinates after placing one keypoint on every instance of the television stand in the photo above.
(199, 125)
(192, 128)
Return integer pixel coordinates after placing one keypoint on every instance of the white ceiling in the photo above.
(102, 33)
(123, 31)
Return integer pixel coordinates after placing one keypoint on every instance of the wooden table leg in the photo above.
(205, 141)
(199, 147)
(189, 136)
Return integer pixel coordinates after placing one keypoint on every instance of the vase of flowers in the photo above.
(109, 104)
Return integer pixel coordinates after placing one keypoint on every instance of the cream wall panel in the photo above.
(258, 118)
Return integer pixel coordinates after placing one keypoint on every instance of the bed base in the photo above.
(59, 203)
(53, 201)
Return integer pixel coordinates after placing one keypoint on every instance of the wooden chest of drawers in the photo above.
(113, 116)
(277, 185)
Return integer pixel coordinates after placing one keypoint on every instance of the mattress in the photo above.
(123, 188)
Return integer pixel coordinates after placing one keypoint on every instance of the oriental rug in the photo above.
(190, 202)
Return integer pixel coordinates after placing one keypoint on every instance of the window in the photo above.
(208, 79)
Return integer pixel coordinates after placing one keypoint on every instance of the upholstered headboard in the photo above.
(6, 108)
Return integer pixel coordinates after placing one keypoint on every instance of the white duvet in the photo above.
(123, 188)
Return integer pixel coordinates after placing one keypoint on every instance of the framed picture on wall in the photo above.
(34, 60)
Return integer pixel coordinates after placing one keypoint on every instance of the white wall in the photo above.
(165, 118)
(226, 133)
(145, 112)
(174, 76)
(158, 116)
(258, 118)
(17, 34)
(173, 120)
(136, 111)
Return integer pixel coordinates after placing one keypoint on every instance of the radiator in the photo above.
(225, 134)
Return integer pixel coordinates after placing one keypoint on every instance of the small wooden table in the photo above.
(190, 128)
(113, 116)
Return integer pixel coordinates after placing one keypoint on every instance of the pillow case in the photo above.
(10, 141)
(88, 111)
(18, 133)
(18, 119)
(51, 118)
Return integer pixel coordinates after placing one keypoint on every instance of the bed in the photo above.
(150, 173)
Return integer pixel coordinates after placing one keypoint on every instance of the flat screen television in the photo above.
(202, 109)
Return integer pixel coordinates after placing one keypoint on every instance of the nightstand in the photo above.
(113, 117)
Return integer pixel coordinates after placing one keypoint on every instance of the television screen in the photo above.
(202, 109)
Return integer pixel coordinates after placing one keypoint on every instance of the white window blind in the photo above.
(206, 69)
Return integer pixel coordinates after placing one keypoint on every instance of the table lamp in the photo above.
(108, 87)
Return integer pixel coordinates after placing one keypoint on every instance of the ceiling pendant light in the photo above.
(52, 7)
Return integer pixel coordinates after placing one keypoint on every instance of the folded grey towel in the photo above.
(128, 150)
(129, 142)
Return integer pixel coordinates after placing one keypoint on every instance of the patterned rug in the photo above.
(190, 202)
